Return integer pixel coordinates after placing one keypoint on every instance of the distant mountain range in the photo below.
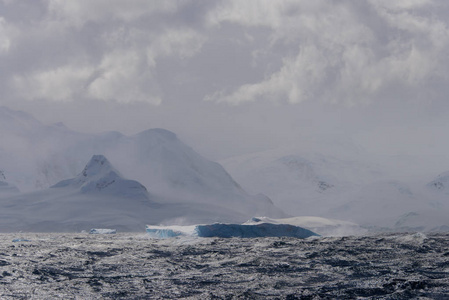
(154, 178)
(175, 183)
(310, 183)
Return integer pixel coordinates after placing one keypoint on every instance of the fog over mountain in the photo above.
(359, 187)
(332, 102)
(233, 77)
(177, 185)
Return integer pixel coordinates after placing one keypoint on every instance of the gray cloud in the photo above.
(98, 50)
(334, 51)
(233, 76)
(343, 51)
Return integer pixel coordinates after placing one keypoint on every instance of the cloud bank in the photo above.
(234, 76)
(345, 52)
(342, 51)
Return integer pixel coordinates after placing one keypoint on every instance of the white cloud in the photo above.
(339, 51)
(113, 60)
(342, 55)
(122, 74)
(127, 75)
(181, 43)
(60, 84)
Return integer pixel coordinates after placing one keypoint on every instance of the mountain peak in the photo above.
(100, 176)
(98, 164)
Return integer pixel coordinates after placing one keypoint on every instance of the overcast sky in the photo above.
(231, 77)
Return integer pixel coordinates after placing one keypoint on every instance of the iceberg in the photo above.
(230, 230)
(102, 231)
(164, 232)
(253, 231)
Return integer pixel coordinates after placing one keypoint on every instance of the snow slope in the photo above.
(300, 183)
(99, 197)
(170, 169)
(100, 177)
(354, 189)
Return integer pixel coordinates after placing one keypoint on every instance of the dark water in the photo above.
(122, 266)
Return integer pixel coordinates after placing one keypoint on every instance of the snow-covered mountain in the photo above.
(353, 188)
(99, 197)
(100, 177)
(36, 156)
(300, 183)
(345, 184)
